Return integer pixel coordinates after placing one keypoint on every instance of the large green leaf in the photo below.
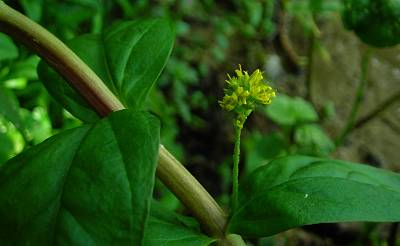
(170, 229)
(88, 186)
(128, 57)
(298, 190)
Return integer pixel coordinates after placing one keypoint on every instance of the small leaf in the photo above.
(33, 9)
(11, 141)
(299, 190)
(128, 57)
(261, 148)
(9, 108)
(312, 140)
(168, 228)
(24, 69)
(289, 111)
(91, 185)
(37, 124)
(7, 147)
(8, 50)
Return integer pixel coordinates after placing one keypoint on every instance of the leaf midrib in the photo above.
(65, 180)
(132, 46)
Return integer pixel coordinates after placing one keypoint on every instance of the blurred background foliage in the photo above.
(306, 54)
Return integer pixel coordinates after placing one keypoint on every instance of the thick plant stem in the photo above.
(90, 86)
(235, 169)
(358, 98)
(178, 179)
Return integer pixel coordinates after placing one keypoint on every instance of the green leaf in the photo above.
(88, 186)
(33, 9)
(285, 110)
(261, 148)
(9, 108)
(37, 124)
(11, 141)
(299, 190)
(128, 57)
(254, 12)
(321, 7)
(312, 140)
(79, 14)
(24, 69)
(168, 228)
(375, 22)
(8, 50)
(7, 146)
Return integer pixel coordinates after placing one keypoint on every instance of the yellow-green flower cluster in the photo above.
(245, 91)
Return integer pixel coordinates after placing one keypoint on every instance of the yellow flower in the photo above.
(244, 92)
(228, 102)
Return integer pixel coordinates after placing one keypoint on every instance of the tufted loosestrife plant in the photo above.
(242, 94)
(288, 192)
